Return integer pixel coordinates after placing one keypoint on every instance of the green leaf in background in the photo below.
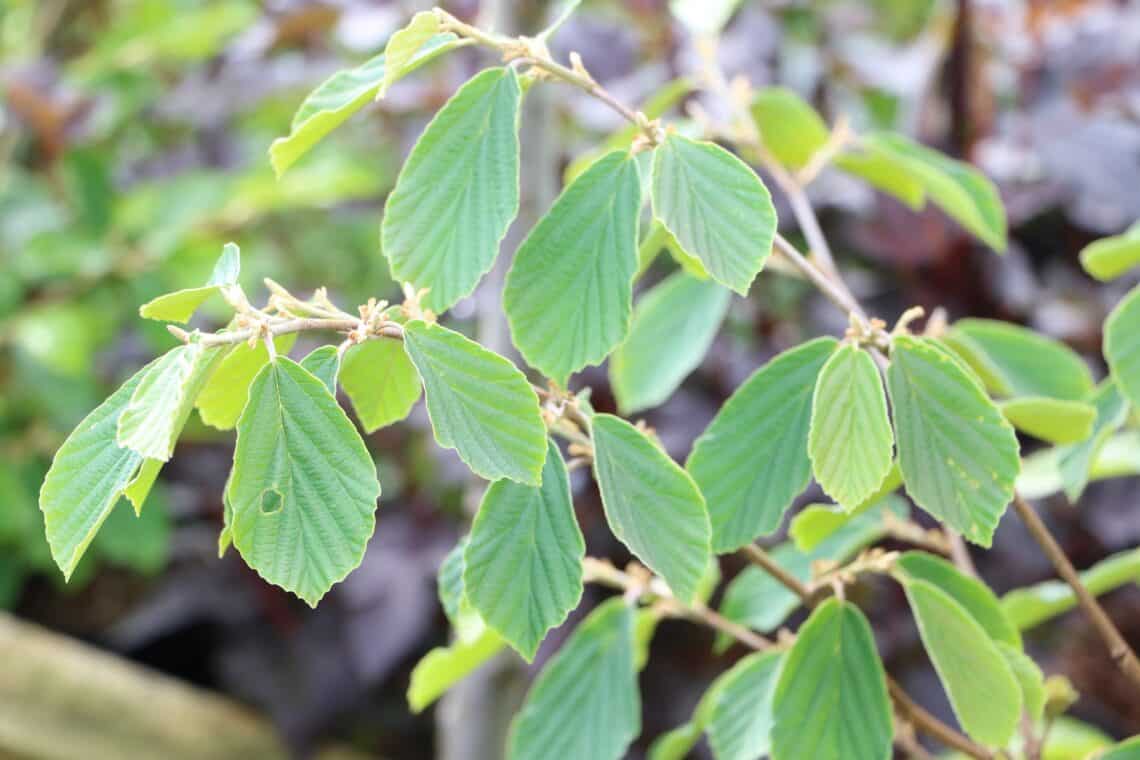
(342, 95)
(86, 478)
(479, 404)
(740, 724)
(523, 562)
(160, 405)
(983, 691)
(404, 45)
(850, 442)
(1129, 749)
(1122, 345)
(1108, 258)
(973, 595)
(1119, 457)
(677, 743)
(1016, 361)
(790, 128)
(443, 667)
(139, 542)
(180, 305)
(831, 698)
(585, 701)
(303, 488)
(752, 460)
(958, 455)
(1031, 606)
(1050, 419)
(959, 189)
(673, 327)
(323, 363)
(569, 292)
(652, 505)
(224, 395)
(1075, 461)
(381, 382)
(1029, 677)
(716, 207)
(884, 171)
(457, 192)
(816, 522)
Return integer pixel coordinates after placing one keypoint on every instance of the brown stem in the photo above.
(1118, 648)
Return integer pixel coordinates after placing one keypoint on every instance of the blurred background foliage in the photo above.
(134, 137)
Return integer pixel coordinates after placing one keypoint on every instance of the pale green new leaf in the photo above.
(139, 487)
(180, 305)
(752, 460)
(1031, 606)
(816, 522)
(850, 442)
(479, 404)
(715, 206)
(1075, 461)
(652, 505)
(224, 395)
(585, 701)
(1029, 677)
(381, 382)
(465, 621)
(324, 363)
(673, 326)
(443, 667)
(339, 97)
(973, 595)
(160, 405)
(1108, 258)
(457, 192)
(959, 457)
(831, 698)
(404, 45)
(884, 171)
(303, 488)
(1015, 361)
(1122, 345)
(790, 128)
(523, 561)
(983, 691)
(740, 723)
(87, 477)
(1051, 419)
(569, 292)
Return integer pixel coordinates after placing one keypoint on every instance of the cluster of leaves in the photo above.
(301, 497)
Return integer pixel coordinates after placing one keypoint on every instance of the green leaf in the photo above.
(1110, 257)
(457, 192)
(1051, 419)
(673, 327)
(404, 46)
(87, 477)
(960, 190)
(652, 505)
(523, 562)
(752, 460)
(740, 724)
(974, 596)
(958, 455)
(568, 294)
(139, 487)
(465, 621)
(1031, 606)
(791, 129)
(1015, 361)
(1119, 457)
(716, 207)
(303, 488)
(850, 442)
(224, 395)
(881, 169)
(137, 542)
(1122, 345)
(161, 404)
(180, 305)
(381, 382)
(983, 692)
(1029, 679)
(816, 522)
(1129, 749)
(323, 363)
(339, 97)
(831, 697)
(443, 667)
(585, 702)
(479, 404)
(1075, 462)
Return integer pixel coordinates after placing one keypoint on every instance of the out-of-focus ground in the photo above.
(134, 139)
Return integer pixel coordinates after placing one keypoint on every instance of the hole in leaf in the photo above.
(271, 502)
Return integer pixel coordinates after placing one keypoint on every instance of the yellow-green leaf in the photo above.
(1108, 258)
(381, 382)
(1050, 419)
(790, 128)
(180, 305)
(1122, 345)
(443, 667)
(223, 397)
